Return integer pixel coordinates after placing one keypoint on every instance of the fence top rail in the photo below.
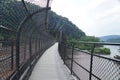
(96, 43)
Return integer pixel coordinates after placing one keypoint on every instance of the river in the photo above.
(114, 50)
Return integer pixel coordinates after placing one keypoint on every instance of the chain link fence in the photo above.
(23, 36)
(86, 65)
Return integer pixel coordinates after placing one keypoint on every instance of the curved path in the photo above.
(50, 67)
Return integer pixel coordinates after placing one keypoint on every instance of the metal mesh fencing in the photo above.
(41, 3)
(105, 68)
(68, 57)
(86, 65)
(23, 36)
(81, 64)
(7, 59)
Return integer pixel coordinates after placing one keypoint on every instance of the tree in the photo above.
(90, 39)
(102, 50)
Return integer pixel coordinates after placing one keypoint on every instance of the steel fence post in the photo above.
(72, 59)
(39, 45)
(63, 53)
(91, 62)
(18, 54)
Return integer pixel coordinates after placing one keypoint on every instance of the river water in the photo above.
(114, 50)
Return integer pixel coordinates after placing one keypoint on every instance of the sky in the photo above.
(94, 17)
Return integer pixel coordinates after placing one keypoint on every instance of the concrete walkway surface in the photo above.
(50, 67)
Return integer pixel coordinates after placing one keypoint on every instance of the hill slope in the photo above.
(110, 38)
(58, 23)
(11, 18)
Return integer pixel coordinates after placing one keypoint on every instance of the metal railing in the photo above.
(23, 27)
(88, 65)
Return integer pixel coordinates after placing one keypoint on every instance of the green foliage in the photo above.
(90, 39)
(70, 42)
(87, 39)
(11, 17)
(82, 46)
(99, 49)
(102, 50)
(12, 13)
(85, 47)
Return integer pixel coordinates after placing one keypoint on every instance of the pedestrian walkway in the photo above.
(50, 67)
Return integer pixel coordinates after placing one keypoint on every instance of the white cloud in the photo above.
(93, 16)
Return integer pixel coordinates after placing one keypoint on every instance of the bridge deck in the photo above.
(50, 67)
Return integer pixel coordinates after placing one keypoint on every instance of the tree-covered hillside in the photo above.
(11, 17)
(115, 40)
(111, 38)
(59, 23)
(105, 38)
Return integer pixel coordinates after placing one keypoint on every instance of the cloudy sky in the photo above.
(94, 17)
